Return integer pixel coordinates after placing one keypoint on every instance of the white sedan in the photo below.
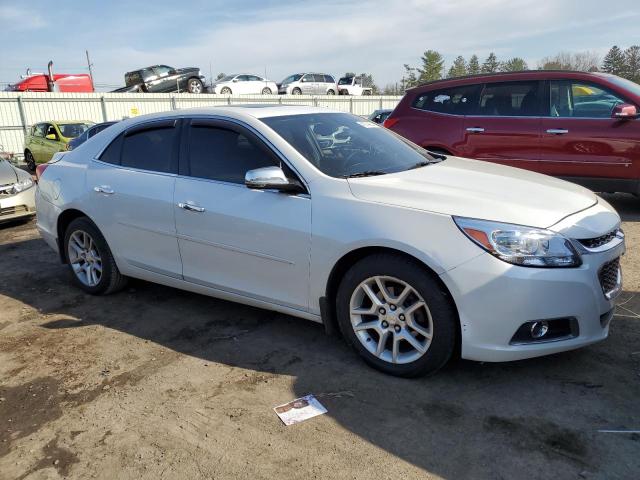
(244, 84)
(414, 256)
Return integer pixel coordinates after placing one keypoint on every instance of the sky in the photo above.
(285, 37)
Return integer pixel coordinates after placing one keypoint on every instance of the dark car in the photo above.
(379, 116)
(163, 79)
(89, 132)
(578, 126)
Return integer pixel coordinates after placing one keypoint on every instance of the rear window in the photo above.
(514, 99)
(453, 101)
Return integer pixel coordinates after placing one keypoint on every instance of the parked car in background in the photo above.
(88, 133)
(163, 79)
(242, 84)
(414, 256)
(308, 84)
(353, 86)
(379, 116)
(53, 82)
(17, 195)
(579, 126)
(46, 138)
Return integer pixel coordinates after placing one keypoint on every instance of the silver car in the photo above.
(308, 84)
(17, 197)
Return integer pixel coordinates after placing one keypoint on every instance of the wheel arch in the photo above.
(64, 219)
(340, 268)
(438, 149)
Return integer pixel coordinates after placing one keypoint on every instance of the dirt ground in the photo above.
(156, 383)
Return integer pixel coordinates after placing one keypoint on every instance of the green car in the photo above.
(46, 138)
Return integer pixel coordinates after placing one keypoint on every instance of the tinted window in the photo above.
(242, 78)
(340, 144)
(253, 78)
(515, 99)
(318, 78)
(73, 130)
(292, 78)
(220, 154)
(162, 70)
(454, 100)
(151, 149)
(580, 100)
(111, 154)
(38, 130)
(308, 78)
(329, 79)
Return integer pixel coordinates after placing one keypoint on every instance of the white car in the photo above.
(414, 256)
(244, 84)
(17, 195)
(353, 86)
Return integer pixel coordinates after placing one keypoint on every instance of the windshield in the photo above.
(293, 78)
(345, 81)
(73, 130)
(343, 145)
(633, 87)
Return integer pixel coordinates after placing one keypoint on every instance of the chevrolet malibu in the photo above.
(328, 217)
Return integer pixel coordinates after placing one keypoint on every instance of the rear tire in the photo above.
(331, 92)
(225, 91)
(30, 161)
(266, 91)
(194, 85)
(378, 328)
(91, 264)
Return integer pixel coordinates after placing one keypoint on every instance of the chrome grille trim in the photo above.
(602, 243)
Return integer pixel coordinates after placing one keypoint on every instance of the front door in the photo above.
(581, 139)
(130, 197)
(51, 143)
(249, 242)
(308, 84)
(504, 126)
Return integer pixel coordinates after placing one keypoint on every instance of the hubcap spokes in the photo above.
(84, 258)
(391, 319)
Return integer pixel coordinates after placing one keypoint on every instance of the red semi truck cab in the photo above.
(53, 82)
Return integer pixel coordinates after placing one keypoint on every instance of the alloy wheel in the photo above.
(391, 319)
(84, 258)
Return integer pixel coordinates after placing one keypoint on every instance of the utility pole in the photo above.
(90, 65)
(210, 74)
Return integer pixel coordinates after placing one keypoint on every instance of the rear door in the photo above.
(504, 126)
(253, 243)
(130, 195)
(580, 139)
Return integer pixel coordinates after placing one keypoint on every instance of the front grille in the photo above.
(609, 277)
(13, 210)
(599, 241)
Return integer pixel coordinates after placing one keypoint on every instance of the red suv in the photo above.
(575, 125)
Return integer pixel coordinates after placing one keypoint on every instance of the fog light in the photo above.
(539, 329)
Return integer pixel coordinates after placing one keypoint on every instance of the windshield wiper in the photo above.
(366, 173)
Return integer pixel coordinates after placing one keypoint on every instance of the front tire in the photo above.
(331, 92)
(30, 161)
(225, 91)
(395, 314)
(266, 91)
(296, 91)
(194, 85)
(92, 266)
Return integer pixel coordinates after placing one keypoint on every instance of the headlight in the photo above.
(520, 245)
(22, 185)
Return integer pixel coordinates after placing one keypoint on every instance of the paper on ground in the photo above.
(299, 410)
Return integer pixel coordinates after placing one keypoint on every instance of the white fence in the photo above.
(18, 111)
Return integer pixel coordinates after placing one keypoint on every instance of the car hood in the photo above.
(476, 189)
(8, 174)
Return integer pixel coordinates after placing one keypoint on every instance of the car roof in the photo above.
(523, 74)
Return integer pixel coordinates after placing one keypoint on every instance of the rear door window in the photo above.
(151, 147)
(571, 99)
(512, 99)
(223, 154)
(454, 100)
(329, 79)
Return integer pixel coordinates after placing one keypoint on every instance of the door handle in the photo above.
(106, 189)
(557, 131)
(475, 130)
(191, 207)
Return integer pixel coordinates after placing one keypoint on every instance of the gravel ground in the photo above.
(158, 383)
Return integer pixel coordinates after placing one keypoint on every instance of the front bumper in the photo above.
(18, 206)
(495, 298)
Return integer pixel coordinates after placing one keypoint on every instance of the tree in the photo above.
(220, 76)
(473, 67)
(432, 66)
(614, 61)
(515, 64)
(459, 67)
(632, 63)
(409, 79)
(581, 61)
(491, 64)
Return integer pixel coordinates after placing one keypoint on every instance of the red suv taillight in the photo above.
(40, 170)
(390, 122)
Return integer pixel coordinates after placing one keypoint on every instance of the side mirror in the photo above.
(271, 178)
(624, 111)
(51, 136)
